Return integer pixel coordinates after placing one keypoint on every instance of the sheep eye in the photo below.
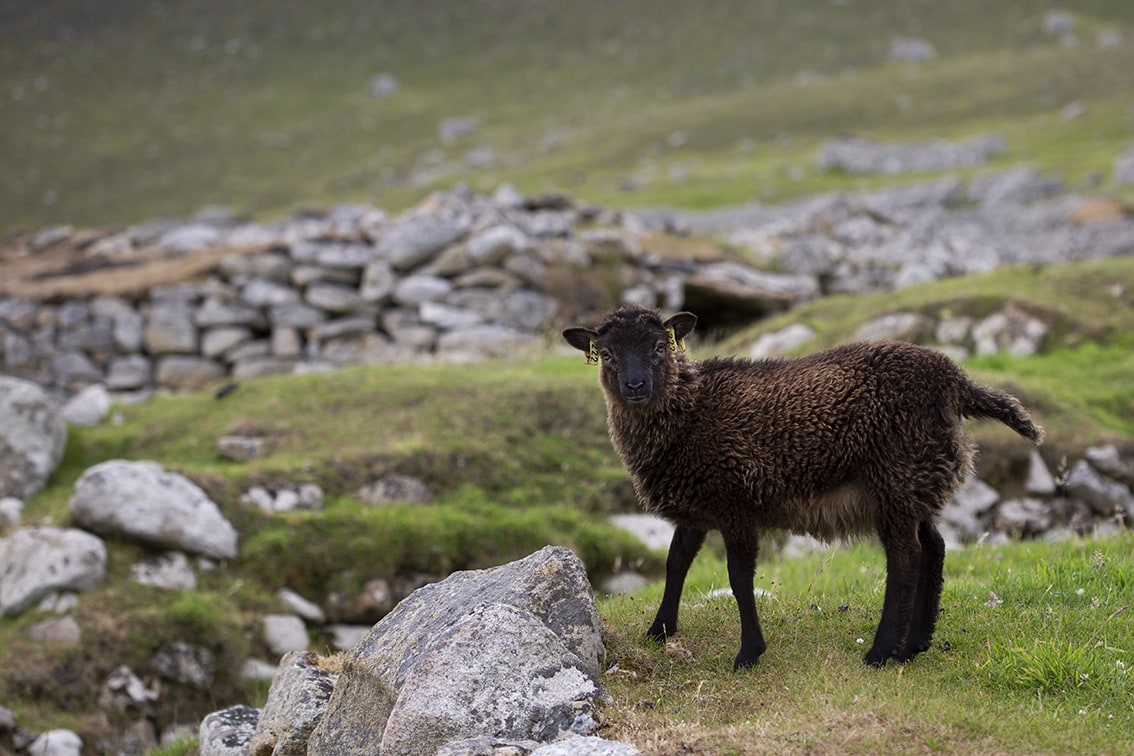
(606, 355)
(660, 347)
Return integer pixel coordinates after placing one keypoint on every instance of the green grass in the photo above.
(517, 455)
(143, 111)
(1032, 655)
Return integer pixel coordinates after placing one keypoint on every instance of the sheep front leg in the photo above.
(741, 550)
(682, 549)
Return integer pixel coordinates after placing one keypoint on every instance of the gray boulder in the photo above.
(32, 437)
(498, 671)
(186, 372)
(35, 561)
(969, 505)
(11, 509)
(56, 743)
(1109, 461)
(261, 292)
(493, 244)
(190, 665)
(747, 289)
(1105, 497)
(585, 745)
(301, 606)
(285, 633)
(905, 326)
(228, 732)
(781, 343)
(171, 571)
(170, 329)
(477, 342)
(88, 407)
(295, 704)
(56, 630)
(417, 237)
(551, 585)
(1026, 516)
(129, 372)
(144, 501)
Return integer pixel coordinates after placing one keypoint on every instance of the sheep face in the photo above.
(636, 349)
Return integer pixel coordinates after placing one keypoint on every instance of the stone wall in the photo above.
(457, 278)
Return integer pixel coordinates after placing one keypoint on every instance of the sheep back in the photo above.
(808, 444)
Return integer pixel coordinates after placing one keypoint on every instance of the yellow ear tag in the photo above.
(592, 354)
(675, 344)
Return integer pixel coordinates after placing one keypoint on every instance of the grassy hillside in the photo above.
(1033, 654)
(517, 455)
(119, 111)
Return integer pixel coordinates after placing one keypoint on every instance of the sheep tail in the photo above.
(980, 402)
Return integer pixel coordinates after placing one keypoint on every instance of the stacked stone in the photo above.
(457, 278)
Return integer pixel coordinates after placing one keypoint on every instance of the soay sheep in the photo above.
(860, 439)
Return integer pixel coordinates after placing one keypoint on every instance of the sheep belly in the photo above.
(845, 511)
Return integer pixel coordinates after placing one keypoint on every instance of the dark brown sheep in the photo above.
(864, 438)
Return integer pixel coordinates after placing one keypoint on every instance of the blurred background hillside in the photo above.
(117, 111)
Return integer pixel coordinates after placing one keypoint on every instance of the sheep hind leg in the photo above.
(682, 549)
(927, 603)
(903, 566)
(741, 551)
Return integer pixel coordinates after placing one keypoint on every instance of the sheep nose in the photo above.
(635, 385)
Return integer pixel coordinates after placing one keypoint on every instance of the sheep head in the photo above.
(636, 348)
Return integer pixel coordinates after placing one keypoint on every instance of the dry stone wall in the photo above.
(457, 278)
(464, 276)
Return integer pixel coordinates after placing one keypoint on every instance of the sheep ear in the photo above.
(583, 339)
(678, 327)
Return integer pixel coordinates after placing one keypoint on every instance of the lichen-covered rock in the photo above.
(551, 584)
(498, 671)
(228, 732)
(295, 704)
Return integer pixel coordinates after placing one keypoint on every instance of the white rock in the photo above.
(88, 407)
(11, 509)
(56, 743)
(144, 501)
(284, 633)
(494, 243)
(652, 530)
(35, 561)
(171, 571)
(33, 435)
(228, 732)
(306, 609)
(782, 342)
(1040, 480)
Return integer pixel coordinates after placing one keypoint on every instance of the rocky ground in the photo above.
(91, 315)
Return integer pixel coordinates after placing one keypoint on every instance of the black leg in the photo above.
(903, 564)
(742, 550)
(927, 603)
(684, 546)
